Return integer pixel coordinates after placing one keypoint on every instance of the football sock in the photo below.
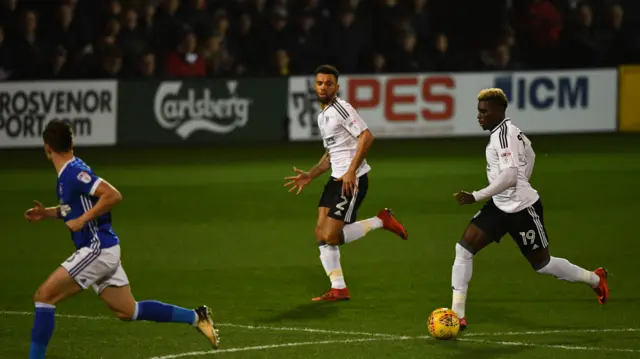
(42, 331)
(359, 229)
(155, 311)
(460, 277)
(565, 270)
(330, 258)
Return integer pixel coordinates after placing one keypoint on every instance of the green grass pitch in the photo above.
(215, 226)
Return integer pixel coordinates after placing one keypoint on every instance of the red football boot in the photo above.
(602, 290)
(463, 324)
(333, 295)
(390, 223)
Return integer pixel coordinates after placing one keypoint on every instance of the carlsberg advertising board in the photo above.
(90, 107)
(202, 111)
(192, 112)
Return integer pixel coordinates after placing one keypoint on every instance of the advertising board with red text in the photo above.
(439, 105)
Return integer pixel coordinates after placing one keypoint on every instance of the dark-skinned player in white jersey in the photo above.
(347, 139)
(512, 206)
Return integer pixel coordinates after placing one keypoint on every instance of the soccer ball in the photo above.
(443, 324)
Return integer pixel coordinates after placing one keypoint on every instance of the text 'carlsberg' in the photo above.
(186, 112)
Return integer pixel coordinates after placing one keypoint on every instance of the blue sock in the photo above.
(42, 331)
(155, 311)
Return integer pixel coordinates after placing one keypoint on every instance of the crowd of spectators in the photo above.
(219, 38)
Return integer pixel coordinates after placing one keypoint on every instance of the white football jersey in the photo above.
(510, 148)
(340, 125)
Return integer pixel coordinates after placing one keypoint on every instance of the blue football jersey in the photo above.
(76, 187)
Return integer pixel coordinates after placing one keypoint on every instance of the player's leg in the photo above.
(531, 235)
(486, 226)
(58, 286)
(115, 292)
(330, 258)
(335, 227)
(329, 254)
(333, 211)
(344, 209)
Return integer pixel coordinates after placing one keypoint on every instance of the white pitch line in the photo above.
(546, 332)
(475, 341)
(384, 335)
(311, 330)
(380, 336)
(548, 346)
(10, 312)
(250, 327)
(273, 346)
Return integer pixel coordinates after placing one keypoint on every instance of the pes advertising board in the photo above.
(90, 107)
(430, 105)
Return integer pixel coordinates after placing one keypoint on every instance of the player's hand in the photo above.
(299, 181)
(464, 198)
(349, 185)
(36, 213)
(76, 225)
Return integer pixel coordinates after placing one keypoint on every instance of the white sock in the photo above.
(565, 270)
(45, 305)
(359, 229)
(330, 258)
(460, 277)
(196, 319)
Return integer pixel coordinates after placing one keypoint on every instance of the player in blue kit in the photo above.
(85, 202)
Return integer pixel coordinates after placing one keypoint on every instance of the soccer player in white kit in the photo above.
(346, 139)
(513, 207)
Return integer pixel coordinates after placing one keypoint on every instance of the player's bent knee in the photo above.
(539, 264)
(539, 258)
(318, 233)
(124, 312)
(463, 254)
(41, 296)
(330, 238)
(474, 239)
(127, 317)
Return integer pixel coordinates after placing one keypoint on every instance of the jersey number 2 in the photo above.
(340, 205)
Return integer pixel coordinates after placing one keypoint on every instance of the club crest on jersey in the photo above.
(84, 177)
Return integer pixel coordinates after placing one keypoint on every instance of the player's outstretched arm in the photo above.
(507, 179)
(39, 212)
(508, 150)
(303, 178)
(108, 197)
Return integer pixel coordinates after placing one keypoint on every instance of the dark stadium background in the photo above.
(206, 220)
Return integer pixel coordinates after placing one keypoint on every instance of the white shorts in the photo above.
(98, 268)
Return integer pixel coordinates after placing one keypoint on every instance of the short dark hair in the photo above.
(327, 70)
(59, 136)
